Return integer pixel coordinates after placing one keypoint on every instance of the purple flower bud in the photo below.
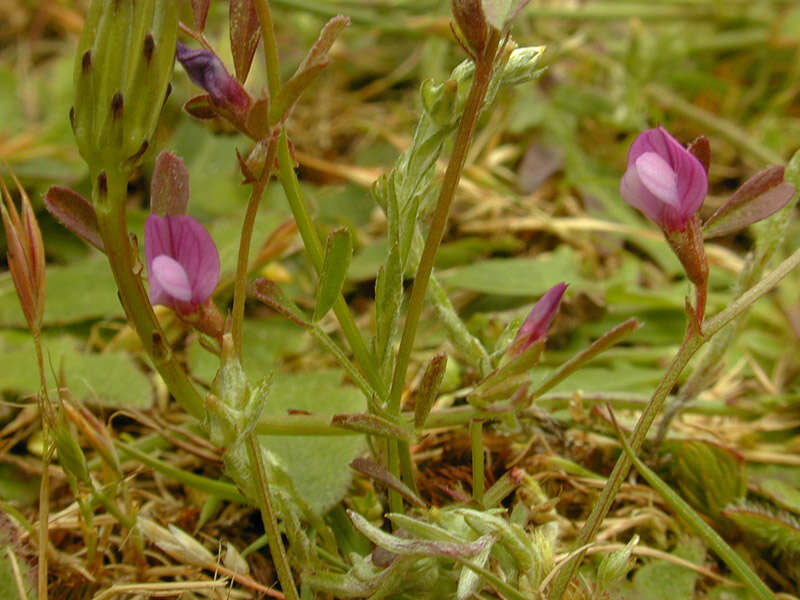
(182, 262)
(538, 320)
(663, 180)
(206, 70)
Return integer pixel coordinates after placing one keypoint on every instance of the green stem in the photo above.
(240, 282)
(480, 84)
(276, 548)
(44, 513)
(690, 346)
(478, 482)
(109, 201)
(392, 459)
(270, 47)
(213, 487)
(313, 246)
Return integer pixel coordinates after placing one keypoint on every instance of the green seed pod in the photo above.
(122, 71)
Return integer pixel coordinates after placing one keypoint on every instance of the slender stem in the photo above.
(240, 282)
(690, 346)
(44, 513)
(44, 484)
(109, 204)
(480, 84)
(478, 479)
(395, 500)
(270, 522)
(407, 466)
(313, 246)
(270, 47)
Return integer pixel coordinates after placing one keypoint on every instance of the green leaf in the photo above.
(664, 580)
(516, 276)
(109, 379)
(777, 528)
(17, 486)
(763, 194)
(334, 270)
(78, 292)
(780, 492)
(11, 563)
(709, 476)
(318, 466)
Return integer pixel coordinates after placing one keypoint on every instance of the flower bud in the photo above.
(522, 65)
(538, 321)
(207, 70)
(122, 73)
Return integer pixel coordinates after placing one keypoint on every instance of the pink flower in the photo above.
(207, 70)
(538, 320)
(663, 180)
(182, 262)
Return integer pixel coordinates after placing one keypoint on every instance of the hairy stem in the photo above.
(472, 109)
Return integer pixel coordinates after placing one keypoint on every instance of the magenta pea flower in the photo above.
(538, 321)
(664, 180)
(207, 70)
(182, 262)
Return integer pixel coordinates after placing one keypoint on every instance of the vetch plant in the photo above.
(500, 536)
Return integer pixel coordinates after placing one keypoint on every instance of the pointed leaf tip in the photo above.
(334, 271)
(763, 194)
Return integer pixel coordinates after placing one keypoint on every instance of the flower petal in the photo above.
(171, 277)
(194, 249)
(658, 177)
(634, 192)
